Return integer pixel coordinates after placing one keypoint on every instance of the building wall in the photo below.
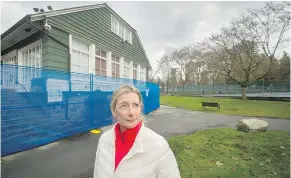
(55, 55)
(94, 26)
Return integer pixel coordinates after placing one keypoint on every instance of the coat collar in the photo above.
(137, 146)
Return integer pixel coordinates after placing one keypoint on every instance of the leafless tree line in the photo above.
(242, 53)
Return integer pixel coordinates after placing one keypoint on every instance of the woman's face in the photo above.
(127, 110)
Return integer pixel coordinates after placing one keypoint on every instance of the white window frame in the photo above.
(134, 68)
(26, 74)
(114, 62)
(126, 66)
(80, 51)
(142, 73)
(102, 58)
(24, 49)
(115, 28)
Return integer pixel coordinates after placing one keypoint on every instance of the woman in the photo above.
(129, 149)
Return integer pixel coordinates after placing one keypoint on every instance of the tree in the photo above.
(283, 75)
(175, 65)
(245, 51)
(181, 58)
(164, 68)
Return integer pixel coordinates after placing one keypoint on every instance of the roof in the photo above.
(40, 16)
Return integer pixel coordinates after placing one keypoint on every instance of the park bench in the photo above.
(210, 104)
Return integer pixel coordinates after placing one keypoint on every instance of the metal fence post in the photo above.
(70, 81)
(91, 103)
(91, 82)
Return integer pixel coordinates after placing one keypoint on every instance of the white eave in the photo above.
(40, 16)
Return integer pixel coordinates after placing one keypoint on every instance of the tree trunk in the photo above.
(244, 93)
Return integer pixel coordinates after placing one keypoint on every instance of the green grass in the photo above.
(256, 108)
(240, 153)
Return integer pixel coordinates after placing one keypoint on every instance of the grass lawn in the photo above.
(228, 153)
(232, 106)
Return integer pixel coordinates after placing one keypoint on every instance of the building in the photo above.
(89, 39)
(66, 65)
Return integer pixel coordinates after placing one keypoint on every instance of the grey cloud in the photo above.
(160, 25)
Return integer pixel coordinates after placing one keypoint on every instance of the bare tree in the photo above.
(283, 74)
(176, 64)
(164, 68)
(181, 59)
(237, 50)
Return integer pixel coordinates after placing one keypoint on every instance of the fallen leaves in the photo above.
(218, 163)
(265, 162)
(235, 158)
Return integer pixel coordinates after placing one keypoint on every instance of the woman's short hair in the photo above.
(122, 90)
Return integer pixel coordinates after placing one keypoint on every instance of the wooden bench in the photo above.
(210, 104)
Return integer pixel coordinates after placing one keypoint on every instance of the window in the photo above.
(11, 60)
(115, 66)
(121, 30)
(114, 25)
(142, 74)
(126, 69)
(80, 57)
(128, 36)
(30, 56)
(134, 71)
(101, 63)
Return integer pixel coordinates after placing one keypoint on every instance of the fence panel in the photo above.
(55, 104)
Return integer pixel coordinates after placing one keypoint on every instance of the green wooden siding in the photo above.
(55, 56)
(94, 26)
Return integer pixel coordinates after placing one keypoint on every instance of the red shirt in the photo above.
(124, 141)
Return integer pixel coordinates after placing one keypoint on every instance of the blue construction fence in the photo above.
(40, 106)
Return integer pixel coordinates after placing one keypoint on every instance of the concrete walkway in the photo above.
(74, 157)
(168, 121)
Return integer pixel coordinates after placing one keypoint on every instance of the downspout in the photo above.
(68, 47)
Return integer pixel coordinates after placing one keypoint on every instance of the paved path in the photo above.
(74, 157)
(168, 121)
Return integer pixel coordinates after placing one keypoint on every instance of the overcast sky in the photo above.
(161, 26)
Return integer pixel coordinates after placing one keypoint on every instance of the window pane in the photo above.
(134, 74)
(103, 65)
(97, 63)
(117, 68)
(26, 59)
(121, 34)
(33, 58)
(126, 63)
(128, 36)
(134, 66)
(114, 58)
(29, 58)
(113, 68)
(97, 72)
(103, 73)
(80, 45)
(103, 54)
(117, 59)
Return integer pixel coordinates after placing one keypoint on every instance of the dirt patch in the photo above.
(78, 136)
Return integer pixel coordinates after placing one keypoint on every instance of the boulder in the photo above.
(252, 125)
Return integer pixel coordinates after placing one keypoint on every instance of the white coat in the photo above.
(149, 157)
